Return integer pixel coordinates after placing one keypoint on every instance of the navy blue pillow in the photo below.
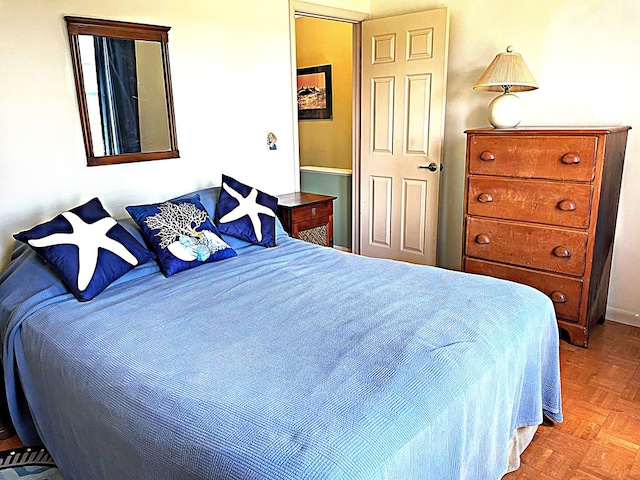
(86, 248)
(181, 234)
(247, 213)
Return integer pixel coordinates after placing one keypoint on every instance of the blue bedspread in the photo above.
(295, 362)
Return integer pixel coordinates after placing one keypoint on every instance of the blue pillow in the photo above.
(247, 213)
(208, 197)
(86, 248)
(181, 234)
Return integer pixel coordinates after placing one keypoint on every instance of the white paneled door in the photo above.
(404, 65)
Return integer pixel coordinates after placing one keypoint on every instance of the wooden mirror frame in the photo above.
(134, 31)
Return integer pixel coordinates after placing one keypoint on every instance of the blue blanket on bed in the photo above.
(294, 362)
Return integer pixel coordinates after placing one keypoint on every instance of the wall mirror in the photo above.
(123, 84)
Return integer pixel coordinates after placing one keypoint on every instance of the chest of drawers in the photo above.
(540, 209)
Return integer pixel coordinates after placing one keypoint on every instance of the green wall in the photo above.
(337, 183)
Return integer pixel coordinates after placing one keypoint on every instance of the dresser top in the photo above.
(578, 130)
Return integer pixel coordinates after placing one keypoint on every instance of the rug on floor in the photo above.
(28, 464)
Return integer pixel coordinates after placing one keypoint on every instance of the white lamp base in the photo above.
(505, 111)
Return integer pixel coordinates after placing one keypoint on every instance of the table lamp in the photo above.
(507, 73)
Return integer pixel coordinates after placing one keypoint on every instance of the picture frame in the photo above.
(315, 95)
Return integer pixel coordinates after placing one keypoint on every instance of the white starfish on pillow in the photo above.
(247, 206)
(88, 237)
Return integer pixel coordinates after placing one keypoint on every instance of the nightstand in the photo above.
(307, 216)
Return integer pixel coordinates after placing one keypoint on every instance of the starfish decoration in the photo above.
(247, 206)
(88, 237)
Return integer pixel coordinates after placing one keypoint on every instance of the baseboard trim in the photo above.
(623, 316)
(341, 248)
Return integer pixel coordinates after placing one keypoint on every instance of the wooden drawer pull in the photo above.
(485, 198)
(558, 297)
(487, 156)
(562, 252)
(567, 205)
(570, 158)
(483, 239)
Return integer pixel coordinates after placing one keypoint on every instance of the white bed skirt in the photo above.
(521, 440)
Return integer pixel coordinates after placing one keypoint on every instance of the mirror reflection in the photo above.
(125, 95)
(124, 90)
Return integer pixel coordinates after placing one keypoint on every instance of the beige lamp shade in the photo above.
(507, 73)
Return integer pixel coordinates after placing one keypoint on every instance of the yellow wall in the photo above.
(327, 143)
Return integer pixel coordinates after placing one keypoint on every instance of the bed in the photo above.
(291, 362)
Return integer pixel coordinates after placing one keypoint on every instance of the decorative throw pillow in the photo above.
(86, 248)
(181, 233)
(245, 212)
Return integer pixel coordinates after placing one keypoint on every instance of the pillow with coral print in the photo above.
(181, 234)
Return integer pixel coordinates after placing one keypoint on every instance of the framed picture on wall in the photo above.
(314, 93)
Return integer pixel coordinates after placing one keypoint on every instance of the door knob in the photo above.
(432, 167)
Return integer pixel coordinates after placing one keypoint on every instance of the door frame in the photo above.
(355, 18)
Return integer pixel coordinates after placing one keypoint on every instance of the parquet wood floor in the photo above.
(600, 436)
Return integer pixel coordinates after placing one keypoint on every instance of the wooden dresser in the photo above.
(540, 209)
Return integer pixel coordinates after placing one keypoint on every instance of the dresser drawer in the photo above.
(312, 211)
(553, 203)
(530, 156)
(565, 292)
(546, 248)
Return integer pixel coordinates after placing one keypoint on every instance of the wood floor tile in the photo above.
(613, 377)
(625, 427)
(559, 453)
(602, 398)
(526, 472)
(634, 474)
(583, 474)
(610, 458)
(628, 405)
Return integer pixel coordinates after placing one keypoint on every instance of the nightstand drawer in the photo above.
(553, 203)
(565, 292)
(527, 245)
(551, 157)
(312, 211)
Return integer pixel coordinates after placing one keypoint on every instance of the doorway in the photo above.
(326, 145)
(397, 128)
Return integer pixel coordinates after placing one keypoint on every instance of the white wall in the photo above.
(584, 55)
(231, 73)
